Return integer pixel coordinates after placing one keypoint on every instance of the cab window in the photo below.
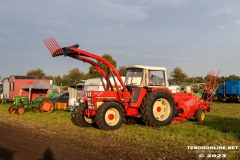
(156, 78)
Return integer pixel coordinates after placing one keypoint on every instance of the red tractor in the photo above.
(144, 95)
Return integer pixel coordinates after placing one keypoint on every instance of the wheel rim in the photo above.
(202, 116)
(161, 109)
(20, 111)
(47, 107)
(112, 117)
(12, 110)
(88, 120)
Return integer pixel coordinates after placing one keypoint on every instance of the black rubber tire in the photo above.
(81, 118)
(41, 109)
(198, 115)
(20, 110)
(219, 98)
(146, 108)
(11, 110)
(102, 111)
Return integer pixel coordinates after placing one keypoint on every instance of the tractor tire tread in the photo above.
(100, 115)
(79, 116)
(146, 108)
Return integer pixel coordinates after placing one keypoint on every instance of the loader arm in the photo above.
(74, 52)
(98, 68)
(101, 59)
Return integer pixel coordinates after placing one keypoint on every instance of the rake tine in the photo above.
(56, 51)
(53, 46)
(46, 42)
(58, 46)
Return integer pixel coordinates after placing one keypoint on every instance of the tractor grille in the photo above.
(89, 100)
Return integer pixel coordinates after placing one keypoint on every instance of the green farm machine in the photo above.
(39, 104)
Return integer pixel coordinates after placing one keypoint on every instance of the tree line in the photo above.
(177, 76)
(75, 75)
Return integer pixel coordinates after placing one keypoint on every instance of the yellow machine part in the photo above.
(60, 105)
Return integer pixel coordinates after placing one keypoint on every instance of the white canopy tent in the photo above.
(37, 85)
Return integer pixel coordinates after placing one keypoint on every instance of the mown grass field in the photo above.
(220, 128)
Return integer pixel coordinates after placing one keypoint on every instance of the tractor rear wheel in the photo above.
(81, 119)
(11, 110)
(158, 109)
(20, 110)
(46, 106)
(109, 116)
(199, 115)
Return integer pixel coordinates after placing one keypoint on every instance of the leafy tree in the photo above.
(93, 72)
(57, 80)
(221, 79)
(197, 79)
(233, 77)
(178, 76)
(37, 72)
(122, 70)
(73, 76)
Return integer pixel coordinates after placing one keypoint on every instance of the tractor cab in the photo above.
(146, 76)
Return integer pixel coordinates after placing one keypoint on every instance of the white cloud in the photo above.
(219, 12)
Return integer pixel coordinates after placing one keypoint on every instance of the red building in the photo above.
(16, 82)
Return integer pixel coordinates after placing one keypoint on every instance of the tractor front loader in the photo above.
(144, 94)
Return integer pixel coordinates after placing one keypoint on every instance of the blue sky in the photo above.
(197, 35)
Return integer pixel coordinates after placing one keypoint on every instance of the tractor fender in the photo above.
(114, 100)
(161, 89)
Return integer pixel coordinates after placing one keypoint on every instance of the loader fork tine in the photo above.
(52, 45)
(48, 46)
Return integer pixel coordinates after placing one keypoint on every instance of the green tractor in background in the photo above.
(20, 103)
(39, 104)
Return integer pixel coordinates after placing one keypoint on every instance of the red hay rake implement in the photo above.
(210, 86)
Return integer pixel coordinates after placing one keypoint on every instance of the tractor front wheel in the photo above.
(46, 106)
(20, 110)
(11, 110)
(83, 120)
(158, 109)
(199, 115)
(109, 116)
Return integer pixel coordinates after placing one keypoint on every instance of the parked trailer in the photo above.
(95, 84)
(1, 91)
(75, 94)
(229, 91)
(5, 94)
